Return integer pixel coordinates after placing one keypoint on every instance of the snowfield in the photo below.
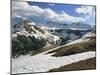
(44, 62)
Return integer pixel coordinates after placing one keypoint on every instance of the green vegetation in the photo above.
(23, 45)
(75, 48)
(81, 65)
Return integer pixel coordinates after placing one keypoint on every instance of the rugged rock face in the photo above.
(69, 35)
(27, 36)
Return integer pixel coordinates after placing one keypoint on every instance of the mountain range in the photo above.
(27, 35)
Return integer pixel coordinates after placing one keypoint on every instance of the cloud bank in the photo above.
(90, 10)
(25, 10)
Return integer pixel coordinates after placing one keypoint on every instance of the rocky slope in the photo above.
(45, 61)
(27, 36)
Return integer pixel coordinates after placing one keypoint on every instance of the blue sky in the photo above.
(68, 8)
(41, 12)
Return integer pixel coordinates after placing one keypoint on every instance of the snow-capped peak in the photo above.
(28, 28)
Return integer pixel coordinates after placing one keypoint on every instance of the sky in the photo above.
(40, 12)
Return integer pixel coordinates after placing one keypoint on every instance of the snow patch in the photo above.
(89, 34)
(44, 62)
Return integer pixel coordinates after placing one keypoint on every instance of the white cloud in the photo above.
(86, 10)
(21, 9)
(25, 10)
(48, 13)
(51, 4)
(65, 17)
